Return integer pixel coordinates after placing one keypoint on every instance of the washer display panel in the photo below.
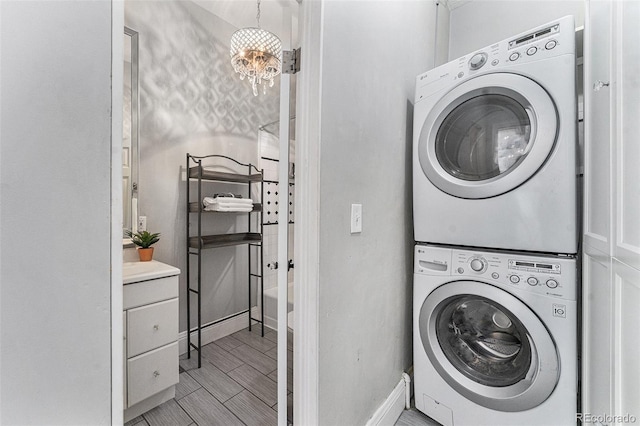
(489, 346)
(488, 135)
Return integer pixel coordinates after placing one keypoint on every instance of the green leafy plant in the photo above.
(144, 239)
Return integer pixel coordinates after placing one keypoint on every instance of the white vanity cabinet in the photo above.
(150, 335)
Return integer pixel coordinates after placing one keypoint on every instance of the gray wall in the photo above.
(479, 23)
(191, 100)
(372, 52)
(55, 213)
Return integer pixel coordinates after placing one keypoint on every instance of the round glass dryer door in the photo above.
(488, 136)
(489, 346)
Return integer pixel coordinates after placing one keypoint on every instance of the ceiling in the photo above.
(242, 13)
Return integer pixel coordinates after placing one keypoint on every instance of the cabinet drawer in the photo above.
(152, 372)
(151, 326)
(145, 292)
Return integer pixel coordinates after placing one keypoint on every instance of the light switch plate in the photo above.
(356, 218)
(142, 223)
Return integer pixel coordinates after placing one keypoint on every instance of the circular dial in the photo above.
(477, 61)
(514, 279)
(532, 281)
(552, 283)
(478, 264)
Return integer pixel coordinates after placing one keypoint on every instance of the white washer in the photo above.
(495, 337)
(494, 159)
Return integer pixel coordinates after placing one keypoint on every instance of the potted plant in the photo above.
(144, 240)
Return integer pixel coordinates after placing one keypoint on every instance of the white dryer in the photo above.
(495, 337)
(494, 158)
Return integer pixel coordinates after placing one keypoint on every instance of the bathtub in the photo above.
(271, 307)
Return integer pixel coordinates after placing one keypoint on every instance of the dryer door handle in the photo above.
(599, 85)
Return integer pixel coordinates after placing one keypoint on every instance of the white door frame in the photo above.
(307, 196)
(117, 81)
(307, 199)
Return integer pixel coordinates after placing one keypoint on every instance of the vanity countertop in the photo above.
(142, 271)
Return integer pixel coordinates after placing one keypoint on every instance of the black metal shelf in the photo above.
(224, 240)
(196, 207)
(197, 244)
(211, 175)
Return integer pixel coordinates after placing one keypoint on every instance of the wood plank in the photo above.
(254, 340)
(167, 414)
(138, 421)
(206, 410)
(215, 381)
(251, 410)
(228, 343)
(255, 358)
(222, 359)
(415, 418)
(273, 353)
(186, 385)
(257, 383)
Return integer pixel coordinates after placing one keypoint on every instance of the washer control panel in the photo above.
(550, 276)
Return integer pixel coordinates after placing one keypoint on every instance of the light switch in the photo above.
(356, 218)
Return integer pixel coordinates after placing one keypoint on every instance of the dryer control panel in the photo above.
(553, 276)
(554, 39)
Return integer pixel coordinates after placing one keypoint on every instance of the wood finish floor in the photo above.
(236, 385)
(414, 417)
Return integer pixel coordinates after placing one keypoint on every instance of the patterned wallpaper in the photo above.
(187, 83)
(192, 101)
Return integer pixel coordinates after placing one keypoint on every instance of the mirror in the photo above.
(130, 132)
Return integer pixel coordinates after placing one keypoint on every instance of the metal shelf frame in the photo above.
(198, 243)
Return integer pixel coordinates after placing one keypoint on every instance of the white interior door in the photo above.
(283, 218)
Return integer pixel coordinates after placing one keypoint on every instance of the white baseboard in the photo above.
(391, 409)
(218, 330)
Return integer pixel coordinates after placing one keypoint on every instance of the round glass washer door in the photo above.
(488, 136)
(489, 346)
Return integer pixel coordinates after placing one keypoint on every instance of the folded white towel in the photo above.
(232, 205)
(226, 201)
(218, 208)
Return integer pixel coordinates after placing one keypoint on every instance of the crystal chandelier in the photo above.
(255, 54)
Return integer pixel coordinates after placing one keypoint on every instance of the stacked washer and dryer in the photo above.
(495, 220)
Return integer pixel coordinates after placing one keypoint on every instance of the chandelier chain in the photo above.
(258, 15)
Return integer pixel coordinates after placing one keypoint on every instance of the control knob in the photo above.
(478, 264)
(551, 283)
(477, 60)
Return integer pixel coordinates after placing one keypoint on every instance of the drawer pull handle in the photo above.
(156, 327)
(156, 373)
